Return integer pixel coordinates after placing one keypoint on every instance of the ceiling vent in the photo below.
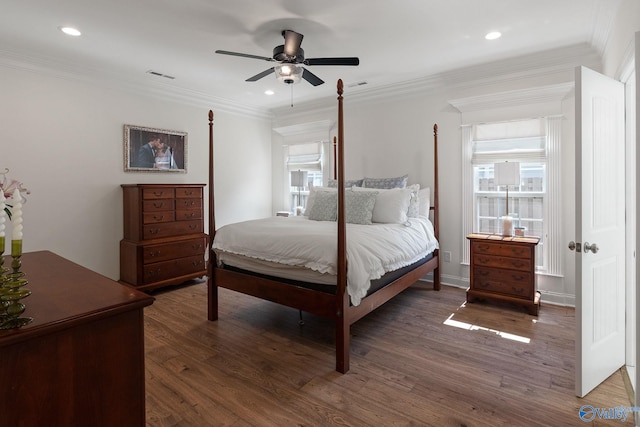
(362, 83)
(155, 73)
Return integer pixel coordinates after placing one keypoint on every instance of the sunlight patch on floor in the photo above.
(471, 327)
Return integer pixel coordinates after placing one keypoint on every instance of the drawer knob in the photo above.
(158, 218)
(193, 226)
(154, 254)
(158, 205)
(158, 193)
(154, 231)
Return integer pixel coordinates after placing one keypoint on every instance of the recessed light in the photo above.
(70, 31)
(269, 92)
(493, 35)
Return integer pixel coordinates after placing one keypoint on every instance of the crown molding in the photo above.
(305, 128)
(556, 64)
(535, 95)
(156, 89)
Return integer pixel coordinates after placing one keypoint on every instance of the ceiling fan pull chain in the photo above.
(291, 96)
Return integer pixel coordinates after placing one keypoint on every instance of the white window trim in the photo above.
(519, 104)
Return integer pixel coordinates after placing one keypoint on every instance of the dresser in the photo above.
(504, 268)
(164, 241)
(81, 360)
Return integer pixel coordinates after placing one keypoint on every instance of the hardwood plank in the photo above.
(424, 358)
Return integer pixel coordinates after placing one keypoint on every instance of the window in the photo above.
(526, 202)
(533, 143)
(305, 158)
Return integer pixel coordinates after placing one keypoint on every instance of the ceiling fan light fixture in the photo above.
(288, 73)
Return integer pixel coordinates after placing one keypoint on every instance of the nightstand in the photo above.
(504, 268)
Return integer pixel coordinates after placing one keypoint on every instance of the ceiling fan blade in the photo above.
(244, 55)
(332, 61)
(311, 78)
(292, 42)
(260, 75)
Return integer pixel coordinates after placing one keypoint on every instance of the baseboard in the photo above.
(546, 297)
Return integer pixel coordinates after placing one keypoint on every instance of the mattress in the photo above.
(300, 249)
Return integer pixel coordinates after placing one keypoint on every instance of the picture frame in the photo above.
(154, 150)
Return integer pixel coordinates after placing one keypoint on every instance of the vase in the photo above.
(12, 290)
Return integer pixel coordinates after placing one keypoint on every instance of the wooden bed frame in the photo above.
(333, 306)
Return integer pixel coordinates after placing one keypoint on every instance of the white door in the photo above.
(600, 229)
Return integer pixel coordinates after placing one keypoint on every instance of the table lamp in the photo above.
(507, 173)
(298, 179)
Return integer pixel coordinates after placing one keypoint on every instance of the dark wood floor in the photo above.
(424, 359)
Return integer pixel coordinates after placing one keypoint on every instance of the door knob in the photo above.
(593, 247)
(574, 246)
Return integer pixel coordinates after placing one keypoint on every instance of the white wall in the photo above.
(64, 140)
(392, 135)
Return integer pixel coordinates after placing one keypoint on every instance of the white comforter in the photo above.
(372, 250)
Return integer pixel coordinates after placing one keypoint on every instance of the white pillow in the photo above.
(391, 205)
(424, 200)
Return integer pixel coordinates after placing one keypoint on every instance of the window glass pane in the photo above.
(526, 202)
(300, 195)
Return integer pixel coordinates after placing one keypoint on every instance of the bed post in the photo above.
(342, 297)
(212, 289)
(335, 144)
(436, 203)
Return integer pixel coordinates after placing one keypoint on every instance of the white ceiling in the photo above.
(396, 41)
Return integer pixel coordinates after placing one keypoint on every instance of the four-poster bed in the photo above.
(333, 302)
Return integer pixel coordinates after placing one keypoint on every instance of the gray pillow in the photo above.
(325, 206)
(333, 183)
(386, 183)
(359, 206)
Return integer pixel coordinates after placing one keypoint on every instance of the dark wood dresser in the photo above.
(164, 241)
(80, 362)
(504, 268)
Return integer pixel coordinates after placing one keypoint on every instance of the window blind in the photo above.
(305, 157)
(523, 141)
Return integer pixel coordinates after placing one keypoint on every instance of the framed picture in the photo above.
(154, 150)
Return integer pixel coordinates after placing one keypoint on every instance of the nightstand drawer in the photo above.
(520, 264)
(514, 283)
(509, 250)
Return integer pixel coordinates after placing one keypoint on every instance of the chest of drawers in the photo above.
(503, 268)
(164, 241)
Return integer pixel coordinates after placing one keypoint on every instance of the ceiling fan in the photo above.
(291, 56)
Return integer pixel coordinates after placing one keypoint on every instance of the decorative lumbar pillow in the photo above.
(324, 207)
(391, 205)
(386, 183)
(333, 183)
(359, 206)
